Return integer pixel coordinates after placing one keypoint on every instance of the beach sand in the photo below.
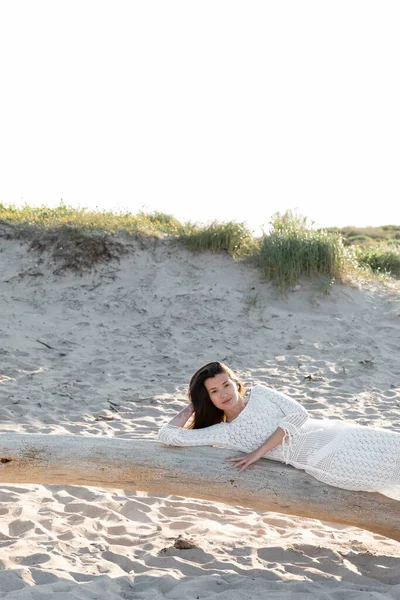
(125, 340)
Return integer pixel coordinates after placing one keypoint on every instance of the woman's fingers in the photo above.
(241, 462)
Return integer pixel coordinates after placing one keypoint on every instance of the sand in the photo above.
(125, 340)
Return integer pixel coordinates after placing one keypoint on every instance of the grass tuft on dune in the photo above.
(293, 248)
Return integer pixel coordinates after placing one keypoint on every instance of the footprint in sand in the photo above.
(43, 578)
(181, 525)
(18, 528)
(83, 493)
(122, 561)
(7, 494)
(135, 511)
(389, 394)
(66, 537)
(93, 512)
(34, 559)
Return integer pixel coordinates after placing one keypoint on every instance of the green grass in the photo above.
(294, 249)
(234, 238)
(380, 259)
(368, 235)
(79, 238)
(106, 222)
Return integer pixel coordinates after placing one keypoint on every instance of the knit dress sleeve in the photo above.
(288, 414)
(179, 436)
(291, 414)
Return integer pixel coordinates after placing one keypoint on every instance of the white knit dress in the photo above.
(345, 455)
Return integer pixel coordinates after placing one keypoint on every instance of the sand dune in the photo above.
(109, 353)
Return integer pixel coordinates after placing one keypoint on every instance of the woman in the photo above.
(272, 425)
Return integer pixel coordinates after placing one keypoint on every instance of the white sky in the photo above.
(206, 109)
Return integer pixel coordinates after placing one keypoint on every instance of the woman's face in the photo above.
(223, 392)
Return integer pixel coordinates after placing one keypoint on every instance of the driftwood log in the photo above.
(137, 464)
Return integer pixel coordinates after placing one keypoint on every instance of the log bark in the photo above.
(140, 464)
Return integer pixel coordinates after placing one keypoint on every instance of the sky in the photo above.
(205, 110)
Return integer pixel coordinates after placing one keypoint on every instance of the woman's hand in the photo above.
(244, 461)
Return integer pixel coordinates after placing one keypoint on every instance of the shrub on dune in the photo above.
(293, 249)
(380, 259)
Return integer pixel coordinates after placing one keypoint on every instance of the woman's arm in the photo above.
(183, 416)
(175, 434)
(289, 415)
(243, 462)
(292, 415)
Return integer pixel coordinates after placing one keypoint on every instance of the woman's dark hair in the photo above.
(205, 413)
